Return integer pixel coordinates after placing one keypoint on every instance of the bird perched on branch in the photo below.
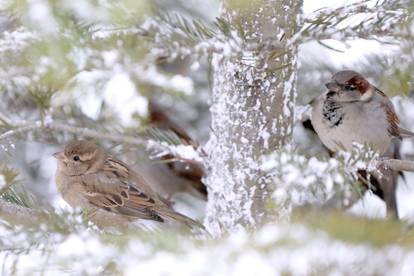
(87, 176)
(354, 110)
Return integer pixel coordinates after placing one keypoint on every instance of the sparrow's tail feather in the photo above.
(405, 133)
(171, 215)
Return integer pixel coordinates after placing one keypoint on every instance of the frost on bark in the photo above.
(252, 111)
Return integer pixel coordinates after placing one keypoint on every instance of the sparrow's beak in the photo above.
(332, 86)
(59, 155)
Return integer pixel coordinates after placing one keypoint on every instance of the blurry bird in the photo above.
(188, 170)
(353, 110)
(89, 177)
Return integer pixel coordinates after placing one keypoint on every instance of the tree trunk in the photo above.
(252, 111)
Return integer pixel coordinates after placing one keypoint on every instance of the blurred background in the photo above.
(113, 80)
(105, 66)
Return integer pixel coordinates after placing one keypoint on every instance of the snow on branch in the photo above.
(16, 40)
(81, 131)
(173, 36)
(185, 153)
(383, 20)
(165, 145)
(151, 75)
(180, 152)
(176, 36)
(302, 113)
(332, 182)
(18, 213)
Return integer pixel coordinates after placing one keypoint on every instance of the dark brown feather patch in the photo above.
(361, 84)
(118, 199)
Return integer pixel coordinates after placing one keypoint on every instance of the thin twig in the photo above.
(85, 132)
(4, 119)
(397, 165)
(131, 140)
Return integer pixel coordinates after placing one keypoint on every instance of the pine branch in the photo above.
(302, 113)
(392, 164)
(17, 213)
(384, 21)
(19, 128)
(4, 119)
(193, 29)
(181, 152)
(177, 36)
(163, 135)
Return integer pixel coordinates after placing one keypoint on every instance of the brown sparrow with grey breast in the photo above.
(353, 110)
(89, 177)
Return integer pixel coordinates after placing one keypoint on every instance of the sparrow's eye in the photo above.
(76, 158)
(349, 87)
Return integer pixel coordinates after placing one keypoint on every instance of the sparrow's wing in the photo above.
(393, 128)
(113, 189)
(393, 120)
(117, 189)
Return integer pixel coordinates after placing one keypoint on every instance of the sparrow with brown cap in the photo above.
(353, 110)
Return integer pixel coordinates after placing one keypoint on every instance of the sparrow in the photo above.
(354, 110)
(384, 187)
(87, 176)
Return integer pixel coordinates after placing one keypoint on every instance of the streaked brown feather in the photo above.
(117, 189)
(393, 120)
(117, 167)
(109, 184)
(392, 117)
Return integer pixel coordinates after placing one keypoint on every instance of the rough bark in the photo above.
(252, 111)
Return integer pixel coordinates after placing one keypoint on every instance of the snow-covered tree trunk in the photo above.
(252, 111)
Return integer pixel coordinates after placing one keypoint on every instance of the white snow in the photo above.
(2, 181)
(185, 152)
(275, 249)
(41, 15)
(176, 83)
(121, 95)
(16, 40)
